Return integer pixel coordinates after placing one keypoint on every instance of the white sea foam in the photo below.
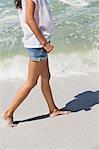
(61, 65)
(8, 18)
(76, 3)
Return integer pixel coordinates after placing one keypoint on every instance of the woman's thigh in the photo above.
(45, 71)
(33, 71)
(37, 68)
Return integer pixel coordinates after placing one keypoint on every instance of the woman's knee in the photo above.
(46, 77)
(49, 76)
(30, 84)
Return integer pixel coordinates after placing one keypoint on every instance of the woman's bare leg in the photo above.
(33, 74)
(46, 90)
(35, 69)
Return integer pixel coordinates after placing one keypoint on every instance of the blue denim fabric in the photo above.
(37, 54)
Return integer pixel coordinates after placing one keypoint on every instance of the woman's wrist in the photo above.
(45, 43)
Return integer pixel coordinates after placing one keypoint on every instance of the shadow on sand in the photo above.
(32, 119)
(83, 101)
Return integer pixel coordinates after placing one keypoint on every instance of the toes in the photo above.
(66, 112)
(63, 112)
(11, 124)
(59, 113)
(9, 121)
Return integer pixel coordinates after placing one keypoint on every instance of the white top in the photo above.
(43, 19)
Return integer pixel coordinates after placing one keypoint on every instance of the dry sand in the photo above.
(36, 131)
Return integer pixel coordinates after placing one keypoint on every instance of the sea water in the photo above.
(75, 37)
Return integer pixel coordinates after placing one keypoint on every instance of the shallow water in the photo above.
(75, 36)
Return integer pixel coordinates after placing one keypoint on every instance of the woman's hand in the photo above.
(49, 47)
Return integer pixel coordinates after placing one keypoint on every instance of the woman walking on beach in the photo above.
(36, 23)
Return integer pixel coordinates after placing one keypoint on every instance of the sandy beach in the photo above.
(36, 131)
(74, 67)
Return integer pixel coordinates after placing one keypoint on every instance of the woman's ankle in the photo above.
(53, 110)
(8, 113)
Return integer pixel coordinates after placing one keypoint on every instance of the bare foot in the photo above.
(8, 119)
(57, 112)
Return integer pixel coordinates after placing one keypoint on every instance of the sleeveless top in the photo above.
(43, 19)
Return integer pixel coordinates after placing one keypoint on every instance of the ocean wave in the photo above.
(75, 29)
(76, 3)
(61, 65)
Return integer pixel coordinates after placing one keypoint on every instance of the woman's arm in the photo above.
(30, 8)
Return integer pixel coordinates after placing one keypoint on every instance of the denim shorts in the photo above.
(37, 54)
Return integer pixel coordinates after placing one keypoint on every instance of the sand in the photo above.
(36, 131)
